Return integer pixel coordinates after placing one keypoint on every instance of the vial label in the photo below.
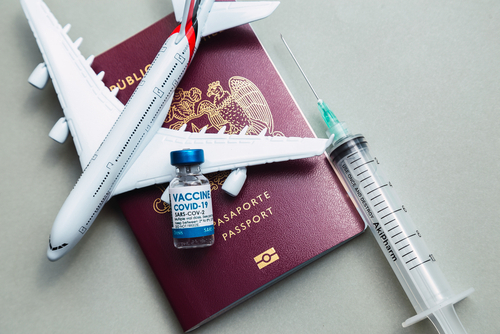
(192, 214)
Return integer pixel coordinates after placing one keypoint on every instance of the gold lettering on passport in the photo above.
(249, 220)
(210, 36)
(244, 207)
(129, 80)
(266, 258)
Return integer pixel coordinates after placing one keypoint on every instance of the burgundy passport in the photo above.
(287, 214)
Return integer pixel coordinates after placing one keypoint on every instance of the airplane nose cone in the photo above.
(53, 255)
(55, 252)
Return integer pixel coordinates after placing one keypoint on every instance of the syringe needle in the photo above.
(333, 124)
(300, 68)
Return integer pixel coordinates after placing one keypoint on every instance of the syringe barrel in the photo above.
(387, 218)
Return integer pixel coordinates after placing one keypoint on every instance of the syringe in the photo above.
(401, 242)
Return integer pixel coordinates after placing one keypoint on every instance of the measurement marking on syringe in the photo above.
(411, 260)
(390, 221)
(395, 235)
(397, 242)
(366, 178)
(393, 228)
(369, 184)
(390, 214)
(375, 197)
(408, 252)
(366, 170)
(366, 163)
(350, 155)
(404, 248)
(368, 193)
(379, 211)
(419, 264)
(354, 161)
(380, 202)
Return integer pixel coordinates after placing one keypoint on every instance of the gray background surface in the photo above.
(420, 79)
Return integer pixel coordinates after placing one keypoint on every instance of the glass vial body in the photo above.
(190, 202)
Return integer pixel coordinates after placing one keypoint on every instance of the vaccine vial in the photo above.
(190, 201)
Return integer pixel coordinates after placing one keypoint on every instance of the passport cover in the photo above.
(287, 214)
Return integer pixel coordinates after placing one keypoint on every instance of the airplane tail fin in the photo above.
(188, 15)
(178, 9)
(225, 15)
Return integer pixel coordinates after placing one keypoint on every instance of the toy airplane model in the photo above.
(124, 147)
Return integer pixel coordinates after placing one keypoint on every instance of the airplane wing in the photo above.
(222, 152)
(225, 15)
(90, 109)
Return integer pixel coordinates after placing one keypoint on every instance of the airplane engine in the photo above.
(235, 181)
(39, 76)
(60, 130)
(165, 197)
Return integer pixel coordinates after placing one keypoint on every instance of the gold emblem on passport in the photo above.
(243, 104)
(266, 258)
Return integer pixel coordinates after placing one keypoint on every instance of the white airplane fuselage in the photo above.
(142, 116)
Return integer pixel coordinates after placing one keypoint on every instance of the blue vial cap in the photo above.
(187, 157)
